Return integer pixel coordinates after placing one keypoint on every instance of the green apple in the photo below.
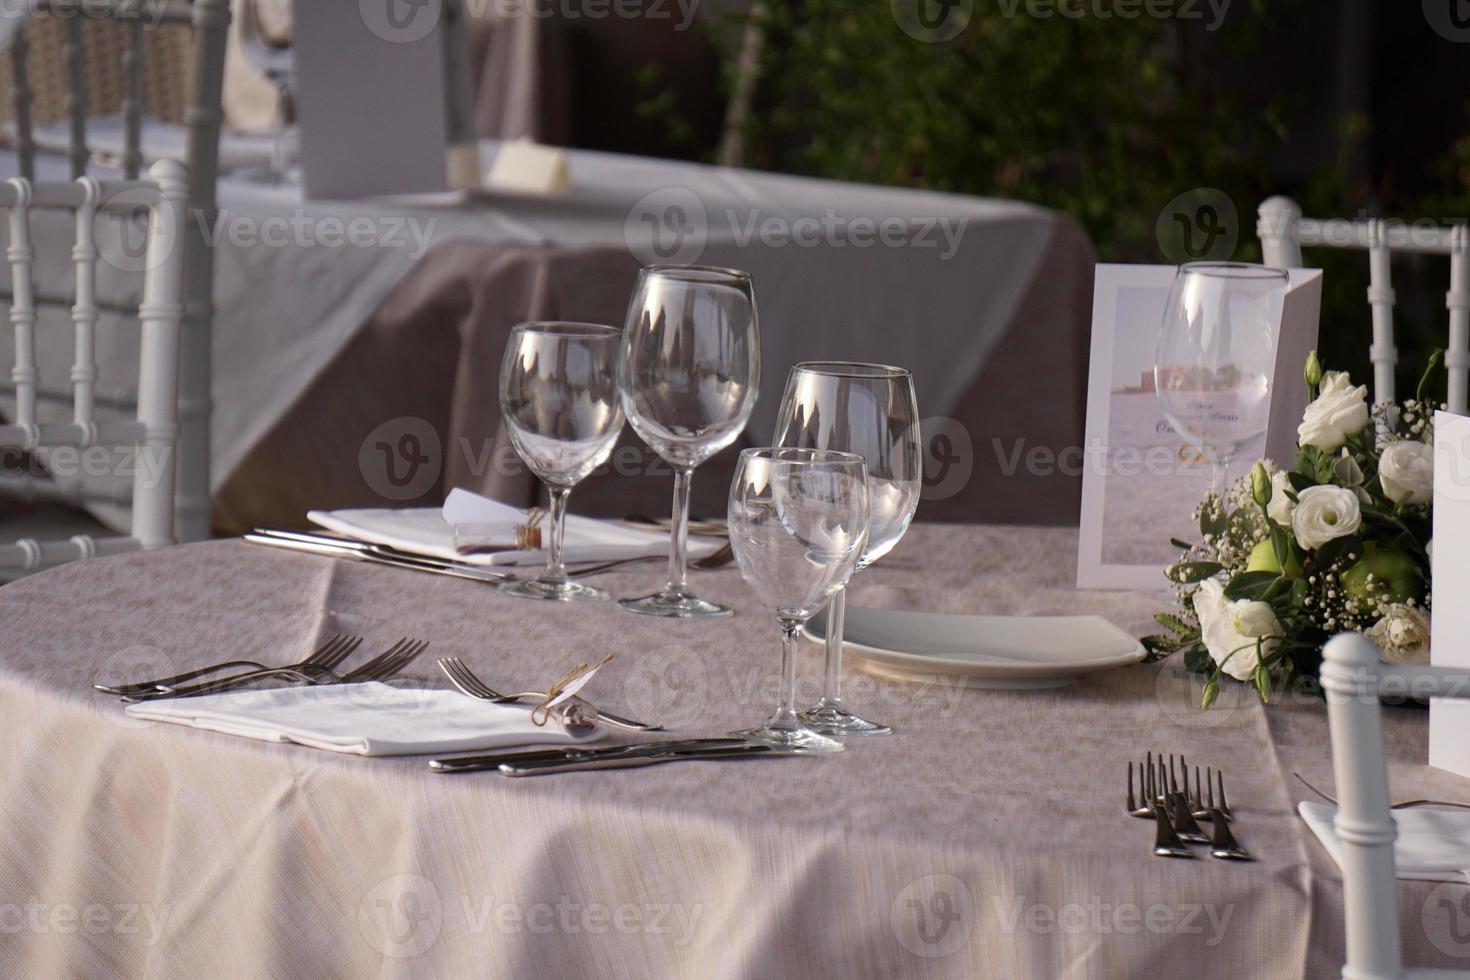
(1263, 559)
(1395, 575)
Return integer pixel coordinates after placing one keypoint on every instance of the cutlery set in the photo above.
(319, 668)
(1176, 811)
(350, 549)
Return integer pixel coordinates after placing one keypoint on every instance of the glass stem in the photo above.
(556, 569)
(1219, 471)
(836, 615)
(279, 157)
(679, 544)
(785, 716)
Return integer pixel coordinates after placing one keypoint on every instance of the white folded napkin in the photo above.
(363, 719)
(430, 531)
(1432, 844)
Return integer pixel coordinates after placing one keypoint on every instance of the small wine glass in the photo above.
(798, 522)
(869, 410)
(1216, 356)
(559, 399)
(689, 376)
(267, 47)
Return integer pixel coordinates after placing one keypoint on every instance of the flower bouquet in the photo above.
(1288, 558)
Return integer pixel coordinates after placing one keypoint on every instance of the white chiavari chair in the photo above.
(1353, 678)
(209, 21)
(1284, 232)
(150, 436)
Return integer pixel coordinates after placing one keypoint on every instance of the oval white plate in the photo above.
(1015, 652)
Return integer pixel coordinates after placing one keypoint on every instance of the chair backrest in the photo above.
(1283, 232)
(209, 20)
(153, 434)
(1353, 679)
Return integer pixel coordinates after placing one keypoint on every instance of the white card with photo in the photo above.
(1449, 720)
(1141, 481)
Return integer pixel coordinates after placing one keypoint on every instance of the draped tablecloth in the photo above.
(986, 838)
(341, 302)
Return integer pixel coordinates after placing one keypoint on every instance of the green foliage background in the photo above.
(1105, 119)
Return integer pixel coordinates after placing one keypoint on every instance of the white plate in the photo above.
(1017, 652)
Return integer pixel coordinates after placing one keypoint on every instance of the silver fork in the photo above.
(327, 656)
(383, 666)
(467, 683)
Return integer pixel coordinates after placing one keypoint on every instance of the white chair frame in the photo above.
(1353, 679)
(155, 429)
(210, 21)
(1283, 233)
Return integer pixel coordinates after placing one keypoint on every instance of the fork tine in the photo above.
(366, 671)
(326, 650)
(453, 668)
(404, 657)
(1132, 805)
(350, 643)
(476, 687)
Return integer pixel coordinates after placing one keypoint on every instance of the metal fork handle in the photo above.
(148, 687)
(310, 674)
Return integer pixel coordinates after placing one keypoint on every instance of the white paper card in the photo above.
(529, 167)
(370, 86)
(1449, 627)
(1139, 481)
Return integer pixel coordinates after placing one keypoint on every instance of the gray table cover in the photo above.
(987, 838)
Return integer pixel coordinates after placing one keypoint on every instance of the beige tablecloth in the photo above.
(986, 838)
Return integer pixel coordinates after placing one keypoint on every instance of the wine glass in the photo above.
(869, 410)
(267, 47)
(689, 376)
(798, 522)
(1216, 355)
(559, 398)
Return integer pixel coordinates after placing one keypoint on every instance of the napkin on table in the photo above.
(363, 719)
(1432, 844)
(429, 531)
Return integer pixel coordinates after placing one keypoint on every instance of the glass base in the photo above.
(673, 604)
(831, 718)
(555, 591)
(799, 739)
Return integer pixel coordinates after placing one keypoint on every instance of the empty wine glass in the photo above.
(265, 37)
(798, 522)
(559, 399)
(869, 410)
(689, 376)
(1216, 356)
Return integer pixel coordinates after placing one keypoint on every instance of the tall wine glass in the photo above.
(798, 522)
(266, 42)
(869, 410)
(689, 376)
(559, 398)
(1216, 355)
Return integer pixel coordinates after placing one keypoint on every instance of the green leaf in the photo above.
(1213, 521)
(1250, 585)
(1197, 659)
(1299, 481)
(1172, 622)
(1280, 545)
(1194, 571)
(1180, 544)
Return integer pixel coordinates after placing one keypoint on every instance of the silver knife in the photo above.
(493, 760)
(357, 551)
(545, 767)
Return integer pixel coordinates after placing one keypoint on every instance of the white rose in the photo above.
(1281, 505)
(1324, 513)
(1406, 471)
(1339, 410)
(1402, 635)
(1221, 624)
